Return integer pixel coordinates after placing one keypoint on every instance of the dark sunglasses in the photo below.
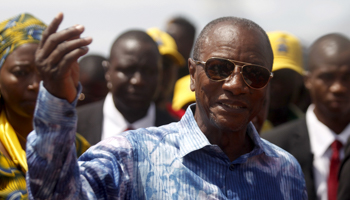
(219, 69)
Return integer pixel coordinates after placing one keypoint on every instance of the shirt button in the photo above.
(232, 167)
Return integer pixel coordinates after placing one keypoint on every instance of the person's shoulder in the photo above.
(153, 138)
(163, 118)
(117, 147)
(89, 112)
(284, 157)
(285, 168)
(154, 133)
(91, 106)
(285, 131)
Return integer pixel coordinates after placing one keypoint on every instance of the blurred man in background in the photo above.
(184, 33)
(92, 78)
(317, 141)
(172, 60)
(287, 77)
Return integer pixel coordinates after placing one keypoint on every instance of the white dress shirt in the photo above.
(115, 123)
(321, 138)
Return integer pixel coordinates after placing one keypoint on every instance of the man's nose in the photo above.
(136, 78)
(339, 86)
(235, 83)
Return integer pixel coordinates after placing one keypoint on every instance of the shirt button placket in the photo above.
(231, 167)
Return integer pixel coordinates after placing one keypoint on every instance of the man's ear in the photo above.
(192, 70)
(307, 80)
(107, 76)
(105, 65)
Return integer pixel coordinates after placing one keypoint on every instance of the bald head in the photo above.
(327, 48)
(230, 21)
(186, 25)
(131, 38)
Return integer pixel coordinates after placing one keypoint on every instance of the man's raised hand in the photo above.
(57, 58)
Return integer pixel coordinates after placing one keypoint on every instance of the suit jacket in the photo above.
(294, 138)
(90, 121)
(344, 175)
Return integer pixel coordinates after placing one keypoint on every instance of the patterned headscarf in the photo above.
(18, 30)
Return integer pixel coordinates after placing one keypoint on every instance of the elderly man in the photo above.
(316, 141)
(214, 152)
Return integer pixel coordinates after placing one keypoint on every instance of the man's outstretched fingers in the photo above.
(71, 57)
(65, 47)
(57, 38)
(52, 28)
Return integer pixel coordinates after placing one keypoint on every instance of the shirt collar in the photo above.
(192, 138)
(321, 137)
(114, 122)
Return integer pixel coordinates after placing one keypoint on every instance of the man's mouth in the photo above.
(232, 106)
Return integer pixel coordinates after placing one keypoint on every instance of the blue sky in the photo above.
(105, 19)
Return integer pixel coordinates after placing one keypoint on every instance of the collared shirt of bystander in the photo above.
(321, 138)
(175, 161)
(115, 123)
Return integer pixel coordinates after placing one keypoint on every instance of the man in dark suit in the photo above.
(344, 175)
(316, 141)
(133, 77)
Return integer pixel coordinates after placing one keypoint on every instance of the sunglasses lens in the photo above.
(255, 76)
(219, 69)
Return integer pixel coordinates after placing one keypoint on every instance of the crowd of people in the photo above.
(234, 113)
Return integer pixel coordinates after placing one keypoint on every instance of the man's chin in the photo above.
(137, 105)
(227, 125)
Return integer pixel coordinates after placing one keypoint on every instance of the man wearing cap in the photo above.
(213, 152)
(183, 31)
(133, 76)
(288, 78)
(317, 140)
(172, 61)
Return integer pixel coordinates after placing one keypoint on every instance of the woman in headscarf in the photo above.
(19, 85)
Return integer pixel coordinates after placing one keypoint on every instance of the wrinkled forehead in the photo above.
(239, 40)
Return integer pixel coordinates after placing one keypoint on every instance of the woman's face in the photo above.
(19, 81)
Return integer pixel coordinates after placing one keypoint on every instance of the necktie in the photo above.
(333, 170)
(129, 128)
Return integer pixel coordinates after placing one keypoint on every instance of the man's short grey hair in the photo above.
(235, 21)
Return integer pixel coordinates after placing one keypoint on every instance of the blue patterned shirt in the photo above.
(175, 161)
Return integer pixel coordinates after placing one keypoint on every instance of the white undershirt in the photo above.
(115, 123)
(321, 138)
